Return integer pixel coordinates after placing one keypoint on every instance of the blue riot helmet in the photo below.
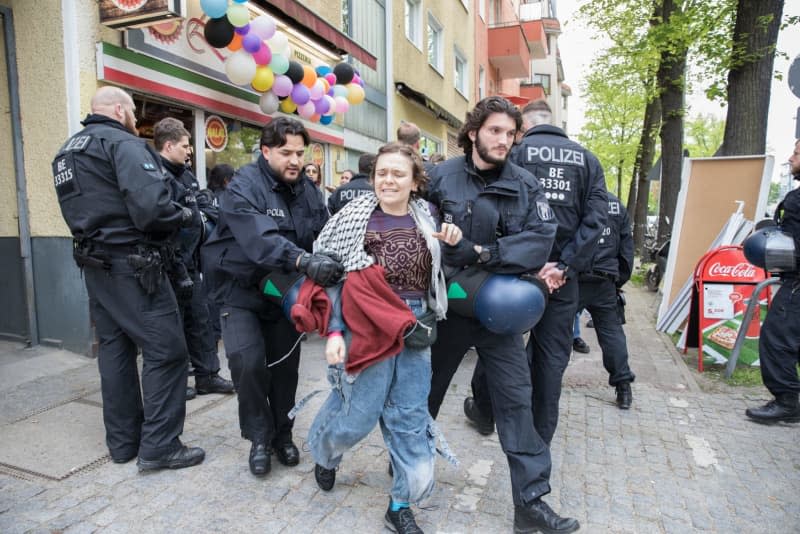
(282, 289)
(503, 303)
(771, 249)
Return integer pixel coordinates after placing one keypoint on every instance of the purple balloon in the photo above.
(300, 94)
(282, 86)
(242, 30)
(252, 43)
(321, 106)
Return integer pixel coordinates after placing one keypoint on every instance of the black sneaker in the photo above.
(401, 521)
(579, 345)
(183, 457)
(212, 384)
(325, 478)
(537, 516)
(624, 395)
(484, 424)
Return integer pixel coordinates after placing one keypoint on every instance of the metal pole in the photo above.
(746, 318)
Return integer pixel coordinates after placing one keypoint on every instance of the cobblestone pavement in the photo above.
(681, 460)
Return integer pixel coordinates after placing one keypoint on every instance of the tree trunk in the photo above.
(754, 36)
(644, 162)
(671, 74)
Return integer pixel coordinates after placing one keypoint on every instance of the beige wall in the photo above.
(410, 64)
(8, 190)
(330, 11)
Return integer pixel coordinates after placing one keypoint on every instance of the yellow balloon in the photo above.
(287, 106)
(355, 93)
(263, 79)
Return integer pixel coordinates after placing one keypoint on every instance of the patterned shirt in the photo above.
(397, 245)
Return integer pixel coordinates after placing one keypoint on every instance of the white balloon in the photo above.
(240, 67)
(269, 102)
(278, 43)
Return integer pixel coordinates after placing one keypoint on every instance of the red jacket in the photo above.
(312, 310)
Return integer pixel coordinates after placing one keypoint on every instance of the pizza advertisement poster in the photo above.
(719, 337)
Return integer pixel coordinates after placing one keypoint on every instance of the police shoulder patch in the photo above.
(544, 210)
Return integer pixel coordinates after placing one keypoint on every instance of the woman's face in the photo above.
(394, 182)
(312, 172)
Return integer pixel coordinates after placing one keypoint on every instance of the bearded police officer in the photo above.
(113, 197)
(599, 285)
(574, 185)
(357, 185)
(269, 216)
(779, 342)
(508, 228)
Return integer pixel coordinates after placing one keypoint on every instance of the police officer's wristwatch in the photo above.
(484, 254)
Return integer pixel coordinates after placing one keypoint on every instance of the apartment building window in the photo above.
(346, 17)
(481, 83)
(435, 39)
(543, 80)
(461, 73)
(414, 22)
(494, 12)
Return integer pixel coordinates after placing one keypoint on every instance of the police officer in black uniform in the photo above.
(779, 343)
(508, 228)
(269, 217)
(113, 197)
(610, 268)
(574, 185)
(171, 140)
(357, 186)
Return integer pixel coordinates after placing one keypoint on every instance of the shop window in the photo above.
(243, 145)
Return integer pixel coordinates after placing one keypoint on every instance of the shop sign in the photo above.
(216, 133)
(137, 13)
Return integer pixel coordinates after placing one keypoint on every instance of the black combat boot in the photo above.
(785, 408)
(624, 395)
(537, 516)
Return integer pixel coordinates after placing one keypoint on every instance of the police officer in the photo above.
(357, 186)
(574, 185)
(269, 217)
(110, 186)
(779, 343)
(171, 140)
(508, 228)
(608, 271)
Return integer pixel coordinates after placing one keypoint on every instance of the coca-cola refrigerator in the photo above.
(723, 285)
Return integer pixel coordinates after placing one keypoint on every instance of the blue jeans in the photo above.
(393, 392)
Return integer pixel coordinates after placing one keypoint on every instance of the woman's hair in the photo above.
(417, 169)
(481, 112)
(318, 179)
(219, 176)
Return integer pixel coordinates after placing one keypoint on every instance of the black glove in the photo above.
(323, 268)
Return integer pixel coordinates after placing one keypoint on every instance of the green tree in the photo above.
(703, 135)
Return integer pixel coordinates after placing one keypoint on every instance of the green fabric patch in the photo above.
(455, 291)
(271, 290)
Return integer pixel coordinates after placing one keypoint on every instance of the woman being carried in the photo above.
(388, 245)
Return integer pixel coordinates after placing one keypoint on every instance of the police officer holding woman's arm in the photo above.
(110, 186)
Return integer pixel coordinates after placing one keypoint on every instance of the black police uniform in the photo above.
(208, 202)
(113, 197)
(574, 185)
(504, 211)
(357, 186)
(779, 342)
(610, 269)
(264, 225)
(194, 303)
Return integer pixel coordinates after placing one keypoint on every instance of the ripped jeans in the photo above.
(393, 392)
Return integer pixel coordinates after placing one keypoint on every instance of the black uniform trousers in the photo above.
(779, 342)
(125, 317)
(263, 350)
(509, 387)
(598, 295)
(197, 328)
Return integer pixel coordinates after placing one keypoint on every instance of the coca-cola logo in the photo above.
(740, 270)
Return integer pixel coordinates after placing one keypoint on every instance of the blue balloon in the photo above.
(326, 119)
(322, 70)
(214, 8)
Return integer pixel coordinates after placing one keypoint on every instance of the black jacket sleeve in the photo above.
(577, 254)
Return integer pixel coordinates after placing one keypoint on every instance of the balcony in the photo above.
(532, 91)
(536, 38)
(508, 50)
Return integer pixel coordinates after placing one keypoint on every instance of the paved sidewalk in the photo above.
(681, 460)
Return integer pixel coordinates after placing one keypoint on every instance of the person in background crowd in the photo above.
(508, 228)
(346, 176)
(779, 342)
(269, 216)
(578, 344)
(359, 185)
(111, 190)
(219, 178)
(313, 172)
(388, 244)
(171, 140)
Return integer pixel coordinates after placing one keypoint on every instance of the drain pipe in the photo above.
(10, 42)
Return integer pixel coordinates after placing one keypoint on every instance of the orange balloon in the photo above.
(236, 43)
(309, 77)
(325, 84)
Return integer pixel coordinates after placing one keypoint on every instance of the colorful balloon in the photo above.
(282, 86)
(300, 94)
(263, 26)
(322, 70)
(321, 106)
(236, 43)
(340, 91)
(342, 105)
(279, 64)
(268, 103)
(344, 73)
(214, 8)
(240, 67)
(355, 93)
(331, 105)
(263, 79)
(331, 77)
(295, 72)
(264, 55)
(306, 110)
(242, 30)
(287, 106)
(278, 43)
(317, 90)
(309, 76)
(238, 14)
(252, 43)
(326, 119)
(218, 32)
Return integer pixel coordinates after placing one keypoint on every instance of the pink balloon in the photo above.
(264, 55)
(317, 90)
(306, 110)
(331, 77)
(282, 86)
(342, 105)
(331, 105)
